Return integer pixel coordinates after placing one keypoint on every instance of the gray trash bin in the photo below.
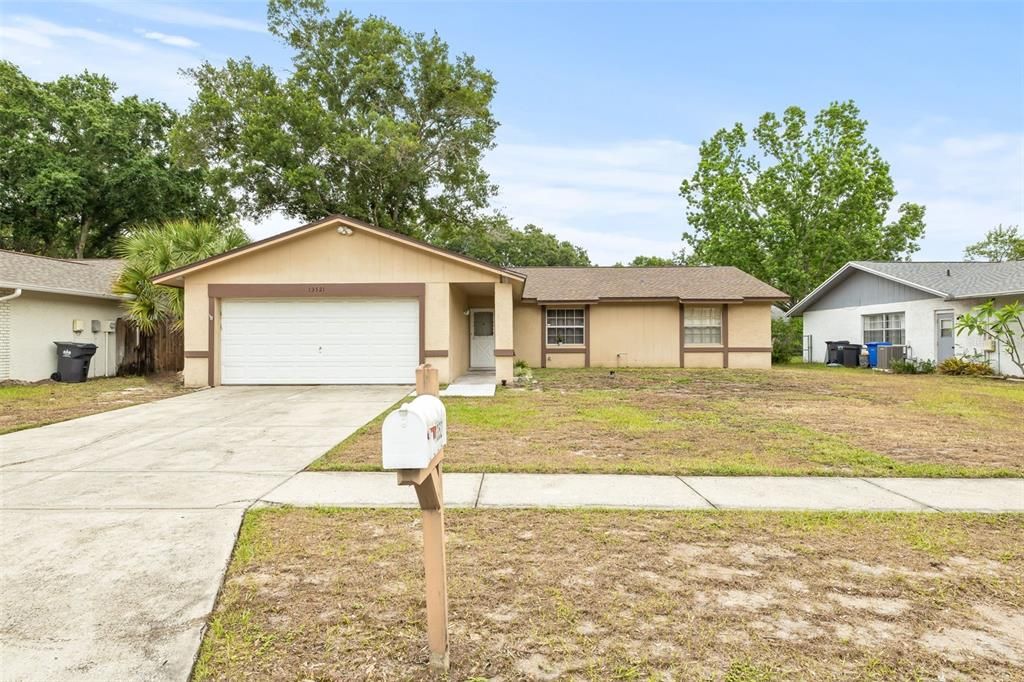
(73, 361)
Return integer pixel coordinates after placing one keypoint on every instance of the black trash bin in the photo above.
(834, 353)
(851, 354)
(73, 361)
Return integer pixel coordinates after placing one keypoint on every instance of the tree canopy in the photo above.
(654, 261)
(78, 166)
(372, 121)
(495, 240)
(794, 200)
(1000, 244)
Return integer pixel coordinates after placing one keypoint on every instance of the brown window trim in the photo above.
(545, 350)
(216, 292)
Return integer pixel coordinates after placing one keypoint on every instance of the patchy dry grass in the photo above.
(615, 595)
(793, 420)
(24, 406)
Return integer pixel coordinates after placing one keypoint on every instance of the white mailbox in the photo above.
(414, 433)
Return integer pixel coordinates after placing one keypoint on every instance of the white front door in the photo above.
(319, 341)
(481, 339)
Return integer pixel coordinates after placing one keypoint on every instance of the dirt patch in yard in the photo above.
(25, 405)
(739, 422)
(338, 595)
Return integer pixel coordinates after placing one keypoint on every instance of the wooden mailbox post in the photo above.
(430, 492)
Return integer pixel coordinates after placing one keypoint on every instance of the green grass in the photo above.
(25, 406)
(800, 421)
(606, 594)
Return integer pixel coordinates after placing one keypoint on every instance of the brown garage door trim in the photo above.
(415, 290)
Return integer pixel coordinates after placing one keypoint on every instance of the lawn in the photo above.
(795, 420)
(23, 406)
(615, 595)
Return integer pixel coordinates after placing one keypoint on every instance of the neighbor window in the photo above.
(565, 325)
(887, 327)
(702, 324)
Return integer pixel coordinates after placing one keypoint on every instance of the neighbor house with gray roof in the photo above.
(909, 304)
(43, 300)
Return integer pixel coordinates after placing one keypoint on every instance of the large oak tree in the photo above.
(794, 200)
(370, 121)
(78, 166)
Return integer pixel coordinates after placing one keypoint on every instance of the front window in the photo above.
(702, 324)
(565, 326)
(886, 327)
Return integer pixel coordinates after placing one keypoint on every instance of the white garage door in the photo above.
(319, 341)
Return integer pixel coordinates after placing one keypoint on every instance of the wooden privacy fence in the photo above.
(140, 353)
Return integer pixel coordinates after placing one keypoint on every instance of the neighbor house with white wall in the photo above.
(909, 304)
(43, 300)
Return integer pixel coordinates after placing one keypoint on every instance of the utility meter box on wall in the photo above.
(77, 326)
(414, 433)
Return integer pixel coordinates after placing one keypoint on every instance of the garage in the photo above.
(319, 340)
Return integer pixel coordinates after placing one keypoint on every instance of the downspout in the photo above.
(10, 297)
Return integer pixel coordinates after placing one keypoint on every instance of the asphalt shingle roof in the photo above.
(89, 277)
(955, 279)
(557, 284)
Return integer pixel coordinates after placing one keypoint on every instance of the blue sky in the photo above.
(602, 105)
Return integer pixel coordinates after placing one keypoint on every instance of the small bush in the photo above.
(963, 367)
(787, 339)
(910, 366)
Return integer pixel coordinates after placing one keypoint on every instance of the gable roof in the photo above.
(583, 284)
(92, 277)
(175, 277)
(949, 280)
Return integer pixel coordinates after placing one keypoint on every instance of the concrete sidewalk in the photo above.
(379, 489)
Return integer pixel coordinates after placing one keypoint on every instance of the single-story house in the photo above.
(910, 304)
(43, 300)
(341, 301)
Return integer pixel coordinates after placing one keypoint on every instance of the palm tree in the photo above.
(150, 250)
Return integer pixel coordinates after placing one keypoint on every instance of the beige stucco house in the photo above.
(341, 301)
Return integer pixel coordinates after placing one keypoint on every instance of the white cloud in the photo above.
(46, 51)
(617, 200)
(968, 184)
(25, 36)
(621, 199)
(37, 33)
(174, 41)
(181, 16)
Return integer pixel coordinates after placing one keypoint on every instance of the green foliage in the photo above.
(792, 202)
(493, 239)
(787, 339)
(78, 166)
(1000, 244)
(151, 250)
(370, 121)
(656, 261)
(911, 366)
(1004, 324)
(963, 367)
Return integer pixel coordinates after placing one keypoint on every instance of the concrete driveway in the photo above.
(115, 529)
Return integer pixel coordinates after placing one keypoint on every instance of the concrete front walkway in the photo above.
(340, 489)
(116, 529)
